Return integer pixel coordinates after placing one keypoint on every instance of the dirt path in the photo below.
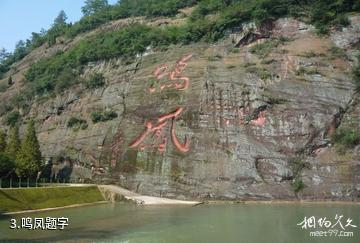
(144, 200)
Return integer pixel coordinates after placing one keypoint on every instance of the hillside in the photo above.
(214, 99)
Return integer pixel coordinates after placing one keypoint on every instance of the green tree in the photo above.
(20, 50)
(13, 145)
(28, 160)
(60, 20)
(3, 55)
(93, 6)
(12, 118)
(6, 165)
(2, 141)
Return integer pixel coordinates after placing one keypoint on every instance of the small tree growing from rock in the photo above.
(10, 81)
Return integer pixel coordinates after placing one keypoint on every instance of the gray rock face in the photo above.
(349, 35)
(231, 134)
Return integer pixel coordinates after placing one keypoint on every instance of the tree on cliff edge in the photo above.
(93, 6)
(60, 20)
(28, 160)
(13, 145)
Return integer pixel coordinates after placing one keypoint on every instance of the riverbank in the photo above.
(214, 202)
(56, 208)
(24, 199)
(110, 192)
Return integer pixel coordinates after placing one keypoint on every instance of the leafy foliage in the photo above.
(6, 164)
(128, 8)
(10, 81)
(28, 160)
(22, 48)
(13, 145)
(60, 19)
(62, 70)
(66, 79)
(298, 185)
(97, 116)
(263, 49)
(325, 13)
(77, 123)
(93, 6)
(95, 81)
(297, 165)
(12, 118)
(356, 76)
(345, 138)
(2, 141)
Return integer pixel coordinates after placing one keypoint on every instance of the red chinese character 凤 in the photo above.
(158, 131)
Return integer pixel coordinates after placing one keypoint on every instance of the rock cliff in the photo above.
(249, 117)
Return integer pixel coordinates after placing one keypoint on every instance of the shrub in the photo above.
(95, 81)
(356, 76)
(77, 123)
(263, 49)
(21, 100)
(297, 165)
(345, 138)
(127, 8)
(10, 81)
(298, 185)
(307, 70)
(97, 116)
(12, 118)
(65, 80)
(261, 72)
(336, 52)
(325, 13)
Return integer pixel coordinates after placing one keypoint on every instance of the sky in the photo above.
(18, 18)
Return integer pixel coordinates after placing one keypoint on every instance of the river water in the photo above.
(248, 223)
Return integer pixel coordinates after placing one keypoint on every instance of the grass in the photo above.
(262, 50)
(336, 52)
(308, 54)
(345, 139)
(230, 66)
(261, 72)
(12, 200)
(356, 75)
(307, 70)
(3, 87)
